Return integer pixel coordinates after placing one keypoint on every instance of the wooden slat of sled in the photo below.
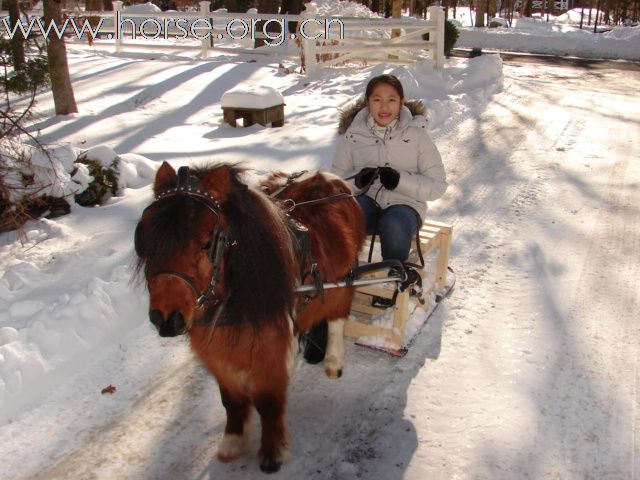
(432, 235)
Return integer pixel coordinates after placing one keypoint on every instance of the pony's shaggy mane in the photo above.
(260, 269)
(166, 228)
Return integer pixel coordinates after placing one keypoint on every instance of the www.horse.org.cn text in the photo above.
(273, 32)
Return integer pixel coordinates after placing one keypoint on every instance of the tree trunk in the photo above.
(63, 97)
(17, 43)
(595, 23)
(266, 6)
(94, 5)
(491, 9)
(481, 9)
(291, 7)
(108, 5)
(525, 11)
(396, 12)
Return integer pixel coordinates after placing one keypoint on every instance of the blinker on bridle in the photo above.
(187, 186)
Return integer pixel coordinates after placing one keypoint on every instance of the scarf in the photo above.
(379, 131)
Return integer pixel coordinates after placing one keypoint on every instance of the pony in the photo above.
(222, 262)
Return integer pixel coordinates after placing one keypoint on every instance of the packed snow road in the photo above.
(528, 370)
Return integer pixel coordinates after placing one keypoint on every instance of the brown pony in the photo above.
(222, 263)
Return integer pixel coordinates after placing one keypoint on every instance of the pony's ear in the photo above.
(165, 178)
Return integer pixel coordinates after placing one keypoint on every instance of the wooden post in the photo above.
(204, 13)
(117, 12)
(437, 14)
(309, 44)
(396, 12)
(443, 258)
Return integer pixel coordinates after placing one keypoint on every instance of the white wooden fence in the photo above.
(558, 5)
(319, 41)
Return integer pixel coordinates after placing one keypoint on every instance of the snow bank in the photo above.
(623, 44)
(559, 36)
(66, 288)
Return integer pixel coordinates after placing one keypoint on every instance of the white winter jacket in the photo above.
(407, 148)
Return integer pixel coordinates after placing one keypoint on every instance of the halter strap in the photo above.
(186, 186)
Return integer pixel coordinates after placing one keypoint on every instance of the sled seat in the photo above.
(432, 236)
(253, 104)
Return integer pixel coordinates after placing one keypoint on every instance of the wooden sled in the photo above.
(372, 327)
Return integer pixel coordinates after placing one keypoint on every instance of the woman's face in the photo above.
(384, 104)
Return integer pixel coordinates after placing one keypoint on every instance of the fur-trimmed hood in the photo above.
(348, 113)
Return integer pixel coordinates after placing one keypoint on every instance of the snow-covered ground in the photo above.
(528, 371)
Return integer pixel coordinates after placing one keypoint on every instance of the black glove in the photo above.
(389, 177)
(365, 176)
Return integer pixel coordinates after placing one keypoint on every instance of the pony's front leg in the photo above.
(334, 358)
(235, 441)
(271, 407)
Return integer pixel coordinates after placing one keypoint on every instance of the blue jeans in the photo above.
(397, 227)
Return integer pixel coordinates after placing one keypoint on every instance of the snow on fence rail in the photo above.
(319, 40)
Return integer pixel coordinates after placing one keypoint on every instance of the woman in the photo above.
(397, 166)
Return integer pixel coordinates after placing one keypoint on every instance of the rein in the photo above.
(288, 205)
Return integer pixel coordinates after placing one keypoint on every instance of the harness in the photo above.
(213, 315)
(300, 235)
(406, 273)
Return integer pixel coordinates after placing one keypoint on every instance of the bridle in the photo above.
(187, 187)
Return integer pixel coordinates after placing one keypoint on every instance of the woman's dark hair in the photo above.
(390, 80)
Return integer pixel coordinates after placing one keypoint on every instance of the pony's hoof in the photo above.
(269, 463)
(270, 466)
(231, 448)
(332, 367)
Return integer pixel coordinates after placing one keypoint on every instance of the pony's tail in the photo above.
(314, 342)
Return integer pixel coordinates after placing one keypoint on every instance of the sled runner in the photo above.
(394, 328)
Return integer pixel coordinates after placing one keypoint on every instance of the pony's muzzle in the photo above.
(172, 326)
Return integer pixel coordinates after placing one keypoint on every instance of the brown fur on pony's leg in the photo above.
(237, 433)
(275, 438)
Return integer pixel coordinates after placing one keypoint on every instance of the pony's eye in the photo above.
(206, 247)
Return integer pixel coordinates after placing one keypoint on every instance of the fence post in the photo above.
(308, 43)
(437, 14)
(204, 14)
(247, 40)
(117, 11)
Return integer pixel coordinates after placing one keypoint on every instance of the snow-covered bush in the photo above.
(36, 182)
(498, 22)
(99, 166)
